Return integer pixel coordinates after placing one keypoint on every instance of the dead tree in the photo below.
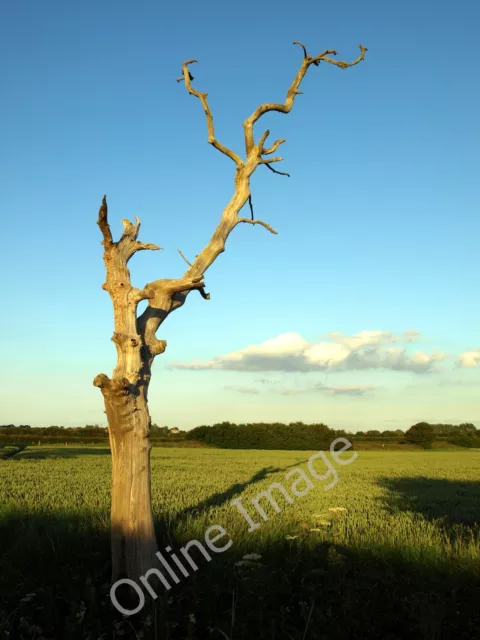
(126, 392)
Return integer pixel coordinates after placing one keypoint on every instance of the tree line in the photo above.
(27, 434)
(260, 435)
(300, 436)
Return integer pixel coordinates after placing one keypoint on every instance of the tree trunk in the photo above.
(132, 530)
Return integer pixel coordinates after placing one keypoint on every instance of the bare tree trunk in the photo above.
(132, 528)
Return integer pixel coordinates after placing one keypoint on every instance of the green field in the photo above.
(398, 558)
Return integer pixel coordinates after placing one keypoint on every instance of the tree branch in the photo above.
(103, 223)
(338, 63)
(262, 140)
(187, 77)
(263, 224)
(189, 263)
(273, 148)
(303, 47)
(250, 204)
(128, 244)
(161, 303)
(280, 173)
(270, 160)
(292, 91)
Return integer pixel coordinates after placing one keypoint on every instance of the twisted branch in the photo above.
(187, 77)
(293, 90)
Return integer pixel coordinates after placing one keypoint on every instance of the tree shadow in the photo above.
(223, 497)
(55, 576)
(451, 501)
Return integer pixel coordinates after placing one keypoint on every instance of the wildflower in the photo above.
(29, 597)
(324, 523)
(81, 614)
(252, 556)
(338, 509)
(248, 563)
(192, 618)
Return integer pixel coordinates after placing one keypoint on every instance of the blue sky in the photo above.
(378, 226)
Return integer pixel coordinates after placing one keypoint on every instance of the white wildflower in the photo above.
(252, 556)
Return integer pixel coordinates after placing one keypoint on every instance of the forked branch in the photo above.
(293, 90)
(128, 243)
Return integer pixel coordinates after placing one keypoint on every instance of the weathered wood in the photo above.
(126, 393)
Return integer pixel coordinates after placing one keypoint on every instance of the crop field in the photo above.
(391, 551)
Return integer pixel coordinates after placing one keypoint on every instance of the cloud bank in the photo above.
(290, 352)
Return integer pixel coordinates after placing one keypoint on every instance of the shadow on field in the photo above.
(54, 584)
(219, 499)
(44, 452)
(452, 501)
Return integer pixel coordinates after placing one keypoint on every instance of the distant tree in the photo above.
(467, 427)
(156, 431)
(421, 433)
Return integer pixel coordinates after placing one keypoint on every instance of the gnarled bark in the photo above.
(126, 393)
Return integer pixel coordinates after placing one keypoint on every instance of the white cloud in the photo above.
(365, 338)
(469, 359)
(348, 390)
(290, 352)
(246, 390)
(352, 390)
(446, 382)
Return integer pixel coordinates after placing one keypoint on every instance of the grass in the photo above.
(399, 559)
